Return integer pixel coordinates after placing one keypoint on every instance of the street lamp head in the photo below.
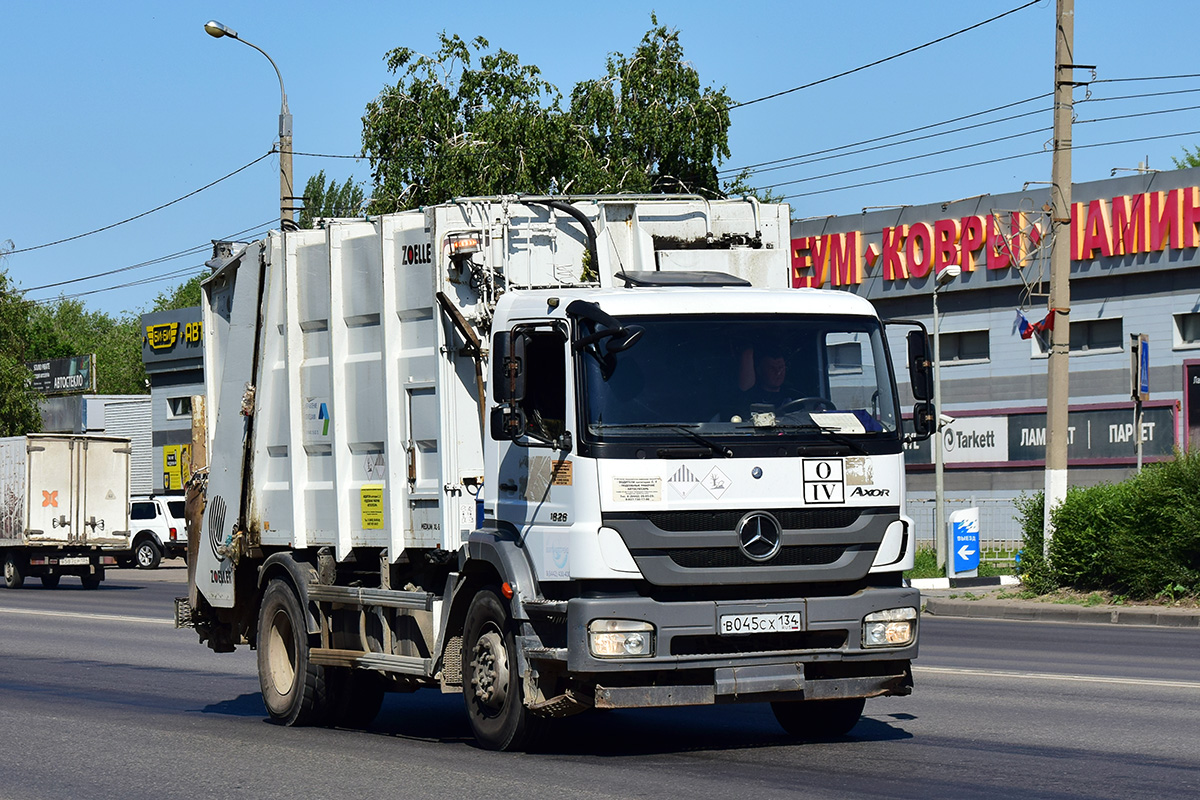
(948, 274)
(217, 30)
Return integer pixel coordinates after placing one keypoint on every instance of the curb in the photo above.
(1056, 612)
(964, 583)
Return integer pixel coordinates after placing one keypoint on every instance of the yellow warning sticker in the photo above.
(371, 500)
(561, 474)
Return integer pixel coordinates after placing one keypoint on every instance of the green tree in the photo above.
(1191, 158)
(18, 402)
(185, 295)
(333, 200)
(66, 327)
(651, 124)
(448, 128)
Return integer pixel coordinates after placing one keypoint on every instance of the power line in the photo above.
(189, 251)
(949, 150)
(988, 161)
(886, 59)
(907, 158)
(1150, 78)
(752, 167)
(195, 268)
(907, 141)
(144, 213)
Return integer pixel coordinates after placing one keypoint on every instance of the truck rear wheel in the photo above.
(492, 686)
(293, 688)
(14, 571)
(92, 581)
(819, 719)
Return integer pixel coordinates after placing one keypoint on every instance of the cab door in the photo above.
(535, 481)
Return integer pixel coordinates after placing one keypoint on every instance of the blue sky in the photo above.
(111, 110)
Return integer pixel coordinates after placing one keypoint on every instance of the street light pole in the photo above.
(941, 544)
(286, 192)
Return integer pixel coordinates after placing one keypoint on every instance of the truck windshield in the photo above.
(742, 376)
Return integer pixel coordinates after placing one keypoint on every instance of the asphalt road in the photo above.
(100, 697)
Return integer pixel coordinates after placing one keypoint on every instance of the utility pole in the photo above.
(1057, 390)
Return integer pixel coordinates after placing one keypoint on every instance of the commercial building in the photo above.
(1135, 249)
(173, 353)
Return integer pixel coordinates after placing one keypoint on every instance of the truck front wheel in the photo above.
(14, 571)
(491, 684)
(819, 719)
(293, 688)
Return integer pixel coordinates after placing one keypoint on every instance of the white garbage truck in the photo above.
(557, 455)
(64, 507)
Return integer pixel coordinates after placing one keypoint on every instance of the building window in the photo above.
(1089, 335)
(959, 346)
(1187, 326)
(1096, 334)
(179, 407)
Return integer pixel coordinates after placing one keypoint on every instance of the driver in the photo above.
(770, 380)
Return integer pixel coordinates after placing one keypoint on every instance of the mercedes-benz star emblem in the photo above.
(759, 536)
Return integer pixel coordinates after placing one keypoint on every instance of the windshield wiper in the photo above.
(678, 427)
(833, 433)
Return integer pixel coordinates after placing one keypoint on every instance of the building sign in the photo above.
(1191, 402)
(1101, 435)
(177, 466)
(172, 339)
(165, 335)
(64, 375)
(1123, 226)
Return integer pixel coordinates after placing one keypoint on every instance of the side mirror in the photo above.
(508, 379)
(920, 368)
(507, 423)
(924, 420)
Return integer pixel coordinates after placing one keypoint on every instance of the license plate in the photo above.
(73, 561)
(761, 623)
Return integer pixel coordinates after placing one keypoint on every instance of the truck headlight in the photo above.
(620, 638)
(892, 627)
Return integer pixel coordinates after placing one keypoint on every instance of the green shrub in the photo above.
(1139, 538)
(1035, 572)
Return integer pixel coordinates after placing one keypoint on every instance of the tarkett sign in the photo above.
(1098, 435)
(64, 375)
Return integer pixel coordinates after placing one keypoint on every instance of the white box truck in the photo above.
(556, 456)
(64, 507)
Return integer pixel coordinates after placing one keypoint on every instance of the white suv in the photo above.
(158, 529)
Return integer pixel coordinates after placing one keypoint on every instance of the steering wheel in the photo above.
(806, 404)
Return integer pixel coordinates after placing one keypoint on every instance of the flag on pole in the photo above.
(1023, 326)
(1027, 328)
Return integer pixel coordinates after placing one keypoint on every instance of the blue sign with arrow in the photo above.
(964, 540)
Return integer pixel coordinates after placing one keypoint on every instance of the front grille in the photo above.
(792, 519)
(731, 557)
(713, 645)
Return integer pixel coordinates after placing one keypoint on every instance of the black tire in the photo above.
(50, 581)
(492, 686)
(819, 719)
(293, 688)
(355, 696)
(147, 554)
(15, 570)
(92, 581)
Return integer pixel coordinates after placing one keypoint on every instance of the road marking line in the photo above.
(1046, 676)
(113, 617)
